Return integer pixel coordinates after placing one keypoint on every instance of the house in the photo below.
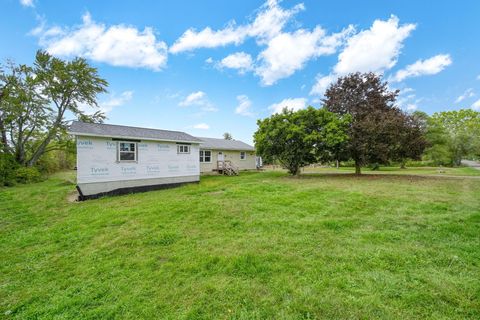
(219, 154)
(113, 159)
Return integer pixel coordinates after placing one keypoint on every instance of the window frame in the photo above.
(203, 156)
(135, 152)
(244, 155)
(182, 147)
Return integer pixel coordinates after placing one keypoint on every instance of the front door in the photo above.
(220, 156)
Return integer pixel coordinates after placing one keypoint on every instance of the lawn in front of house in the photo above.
(257, 246)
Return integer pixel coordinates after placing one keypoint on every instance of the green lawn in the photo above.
(258, 246)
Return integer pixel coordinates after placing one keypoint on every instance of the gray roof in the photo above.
(116, 131)
(222, 144)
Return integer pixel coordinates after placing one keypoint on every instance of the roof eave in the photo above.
(130, 137)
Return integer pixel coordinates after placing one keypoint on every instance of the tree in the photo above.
(411, 141)
(36, 100)
(375, 121)
(227, 136)
(299, 138)
(458, 132)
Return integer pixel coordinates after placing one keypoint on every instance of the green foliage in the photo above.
(453, 136)
(379, 131)
(8, 165)
(35, 100)
(299, 138)
(27, 175)
(266, 247)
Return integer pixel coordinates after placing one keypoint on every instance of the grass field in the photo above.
(258, 246)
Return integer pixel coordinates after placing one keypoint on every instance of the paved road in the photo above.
(473, 164)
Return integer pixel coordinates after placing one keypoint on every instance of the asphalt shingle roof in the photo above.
(116, 131)
(222, 144)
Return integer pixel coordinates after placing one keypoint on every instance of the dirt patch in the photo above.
(72, 196)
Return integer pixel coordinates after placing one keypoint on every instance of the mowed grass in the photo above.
(258, 246)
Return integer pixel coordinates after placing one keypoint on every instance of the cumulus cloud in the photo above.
(429, 66)
(244, 106)
(467, 94)
(27, 3)
(240, 60)
(268, 22)
(198, 98)
(476, 105)
(293, 104)
(201, 126)
(322, 83)
(373, 50)
(288, 52)
(118, 45)
(376, 49)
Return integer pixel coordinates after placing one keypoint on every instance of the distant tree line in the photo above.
(359, 121)
(36, 103)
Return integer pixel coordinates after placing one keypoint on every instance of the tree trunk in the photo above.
(337, 164)
(403, 164)
(358, 168)
(4, 141)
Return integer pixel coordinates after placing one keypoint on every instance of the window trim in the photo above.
(245, 155)
(181, 145)
(203, 151)
(135, 152)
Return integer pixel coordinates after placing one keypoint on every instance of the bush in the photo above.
(8, 165)
(27, 175)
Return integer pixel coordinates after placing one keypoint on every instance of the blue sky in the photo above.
(207, 67)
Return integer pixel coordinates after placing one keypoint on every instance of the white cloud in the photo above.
(244, 106)
(116, 101)
(476, 105)
(27, 3)
(109, 104)
(429, 66)
(194, 98)
(118, 45)
(376, 49)
(269, 21)
(290, 103)
(288, 52)
(198, 98)
(240, 60)
(467, 94)
(201, 126)
(411, 107)
(209, 60)
(321, 84)
(373, 50)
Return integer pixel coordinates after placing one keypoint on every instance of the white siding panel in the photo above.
(97, 161)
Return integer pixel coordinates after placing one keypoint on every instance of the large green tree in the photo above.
(377, 132)
(455, 132)
(36, 101)
(296, 139)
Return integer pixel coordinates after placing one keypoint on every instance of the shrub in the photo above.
(27, 175)
(8, 165)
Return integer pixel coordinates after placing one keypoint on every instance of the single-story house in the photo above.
(114, 159)
(215, 152)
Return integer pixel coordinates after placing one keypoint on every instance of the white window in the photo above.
(183, 148)
(243, 155)
(205, 156)
(127, 151)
